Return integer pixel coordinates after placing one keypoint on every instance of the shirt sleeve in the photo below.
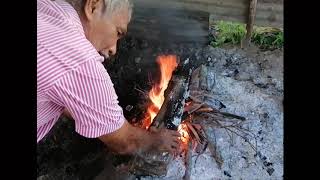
(87, 92)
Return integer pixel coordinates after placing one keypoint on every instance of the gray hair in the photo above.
(110, 6)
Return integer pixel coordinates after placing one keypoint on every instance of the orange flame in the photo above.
(167, 63)
(182, 129)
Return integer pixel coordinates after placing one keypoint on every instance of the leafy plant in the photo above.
(228, 32)
(268, 38)
(233, 33)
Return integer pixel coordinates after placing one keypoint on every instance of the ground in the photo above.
(249, 82)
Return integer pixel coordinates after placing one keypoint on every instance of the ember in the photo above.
(182, 129)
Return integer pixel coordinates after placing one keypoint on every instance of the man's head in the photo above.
(104, 22)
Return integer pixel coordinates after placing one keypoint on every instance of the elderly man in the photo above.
(71, 35)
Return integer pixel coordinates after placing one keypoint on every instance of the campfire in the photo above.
(167, 64)
(176, 103)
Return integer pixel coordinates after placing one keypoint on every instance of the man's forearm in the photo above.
(127, 140)
(140, 140)
(130, 139)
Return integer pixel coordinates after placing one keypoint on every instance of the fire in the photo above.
(182, 129)
(167, 63)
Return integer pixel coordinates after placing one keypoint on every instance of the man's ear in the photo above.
(93, 8)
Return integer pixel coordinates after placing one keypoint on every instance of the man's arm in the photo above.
(130, 140)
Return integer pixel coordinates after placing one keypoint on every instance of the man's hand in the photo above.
(165, 140)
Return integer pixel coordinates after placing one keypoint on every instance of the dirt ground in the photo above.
(250, 83)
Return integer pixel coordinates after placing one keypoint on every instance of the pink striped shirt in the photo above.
(70, 75)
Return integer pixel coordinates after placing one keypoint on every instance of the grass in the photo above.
(228, 32)
(233, 33)
(268, 38)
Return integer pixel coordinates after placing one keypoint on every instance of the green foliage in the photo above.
(268, 38)
(228, 32)
(233, 33)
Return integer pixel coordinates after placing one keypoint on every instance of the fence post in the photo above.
(250, 21)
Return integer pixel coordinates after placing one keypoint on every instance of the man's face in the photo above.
(104, 30)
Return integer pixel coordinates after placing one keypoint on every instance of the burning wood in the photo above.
(191, 107)
(167, 65)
